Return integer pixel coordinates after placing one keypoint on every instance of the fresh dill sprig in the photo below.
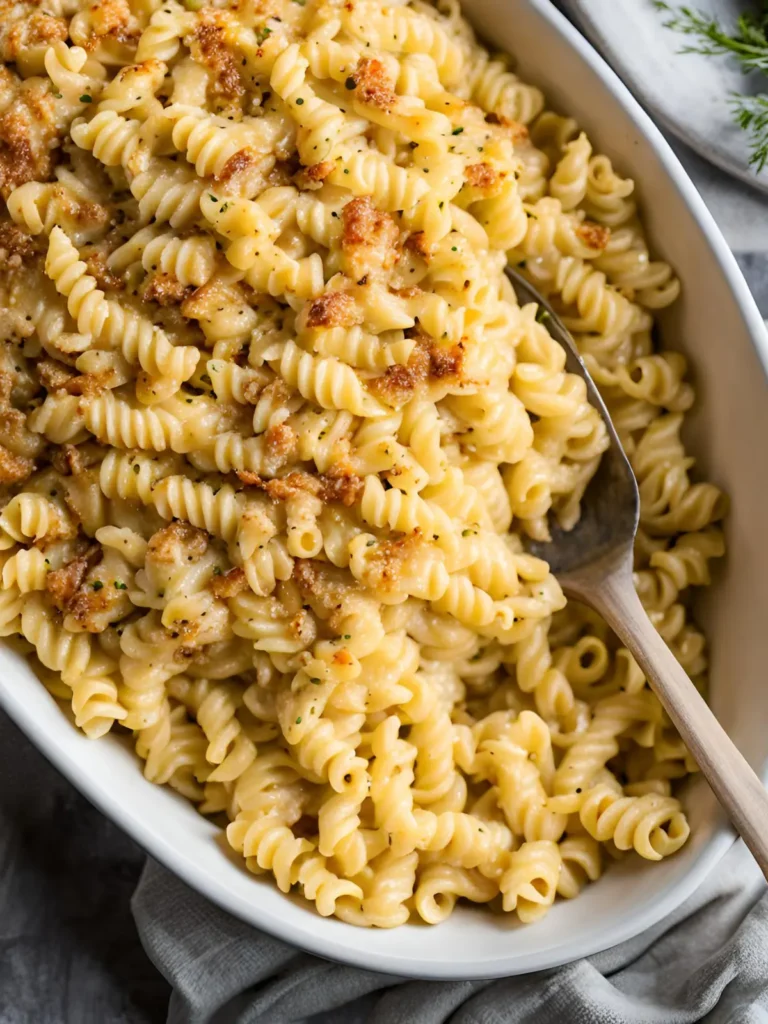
(751, 114)
(748, 44)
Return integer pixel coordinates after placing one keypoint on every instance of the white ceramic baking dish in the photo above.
(717, 323)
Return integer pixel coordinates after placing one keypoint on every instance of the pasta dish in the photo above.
(275, 430)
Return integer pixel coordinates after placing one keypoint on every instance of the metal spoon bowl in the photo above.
(611, 508)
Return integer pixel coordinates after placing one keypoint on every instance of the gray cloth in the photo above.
(706, 962)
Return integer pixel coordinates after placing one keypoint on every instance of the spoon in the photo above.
(593, 563)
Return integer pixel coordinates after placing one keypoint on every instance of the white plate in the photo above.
(718, 323)
(686, 92)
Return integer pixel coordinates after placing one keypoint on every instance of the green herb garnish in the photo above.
(751, 114)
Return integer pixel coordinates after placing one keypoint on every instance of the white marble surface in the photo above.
(740, 211)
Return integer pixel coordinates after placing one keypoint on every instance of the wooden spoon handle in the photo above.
(734, 783)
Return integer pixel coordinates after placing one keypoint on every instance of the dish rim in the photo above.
(128, 817)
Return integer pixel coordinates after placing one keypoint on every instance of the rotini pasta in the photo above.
(274, 430)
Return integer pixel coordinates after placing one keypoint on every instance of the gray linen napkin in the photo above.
(706, 962)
